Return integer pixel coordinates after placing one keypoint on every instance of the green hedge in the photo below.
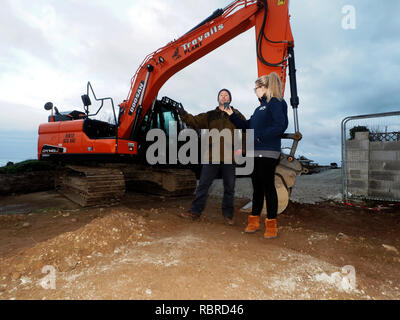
(357, 129)
(28, 166)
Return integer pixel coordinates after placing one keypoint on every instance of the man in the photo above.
(214, 119)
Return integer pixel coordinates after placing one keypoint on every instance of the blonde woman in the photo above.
(269, 122)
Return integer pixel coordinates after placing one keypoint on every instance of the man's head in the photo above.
(224, 95)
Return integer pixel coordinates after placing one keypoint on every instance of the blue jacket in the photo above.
(269, 122)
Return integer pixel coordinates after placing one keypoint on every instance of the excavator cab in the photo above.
(163, 116)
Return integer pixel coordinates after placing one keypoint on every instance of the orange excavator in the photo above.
(104, 158)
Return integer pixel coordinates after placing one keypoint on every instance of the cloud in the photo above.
(343, 72)
(18, 117)
(20, 32)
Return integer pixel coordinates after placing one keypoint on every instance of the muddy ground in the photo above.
(140, 249)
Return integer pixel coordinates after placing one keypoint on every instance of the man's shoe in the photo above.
(229, 221)
(189, 215)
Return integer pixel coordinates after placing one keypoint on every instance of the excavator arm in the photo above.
(274, 49)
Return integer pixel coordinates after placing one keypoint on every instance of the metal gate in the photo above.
(371, 157)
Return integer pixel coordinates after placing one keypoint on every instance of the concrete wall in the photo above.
(373, 168)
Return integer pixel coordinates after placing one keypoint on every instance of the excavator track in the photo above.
(90, 186)
(106, 184)
(160, 181)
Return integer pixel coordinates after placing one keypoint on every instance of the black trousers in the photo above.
(263, 179)
(207, 176)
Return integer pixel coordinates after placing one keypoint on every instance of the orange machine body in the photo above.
(68, 137)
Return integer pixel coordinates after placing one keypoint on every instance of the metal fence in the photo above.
(371, 157)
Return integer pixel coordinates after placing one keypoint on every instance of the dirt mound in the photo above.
(78, 248)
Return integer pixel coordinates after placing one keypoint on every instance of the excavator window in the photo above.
(96, 129)
(169, 121)
(165, 117)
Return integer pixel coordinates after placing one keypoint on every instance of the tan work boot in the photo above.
(253, 224)
(271, 229)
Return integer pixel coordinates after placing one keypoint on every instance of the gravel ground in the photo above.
(311, 189)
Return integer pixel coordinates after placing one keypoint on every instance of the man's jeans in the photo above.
(208, 174)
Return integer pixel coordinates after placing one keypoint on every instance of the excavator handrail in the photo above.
(89, 86)
(234, 5)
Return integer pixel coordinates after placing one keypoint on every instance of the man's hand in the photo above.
(228, 110)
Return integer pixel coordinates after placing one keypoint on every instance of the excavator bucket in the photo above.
(285, 177)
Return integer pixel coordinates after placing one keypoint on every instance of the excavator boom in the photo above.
(274, 37)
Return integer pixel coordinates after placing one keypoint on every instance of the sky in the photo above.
(50, 49)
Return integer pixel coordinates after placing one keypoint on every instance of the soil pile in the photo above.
(81, 247)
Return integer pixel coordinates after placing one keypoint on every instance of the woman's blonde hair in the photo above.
(273, 83)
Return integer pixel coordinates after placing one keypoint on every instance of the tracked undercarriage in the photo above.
(160, 181)
(106, 184)
(89, 186)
